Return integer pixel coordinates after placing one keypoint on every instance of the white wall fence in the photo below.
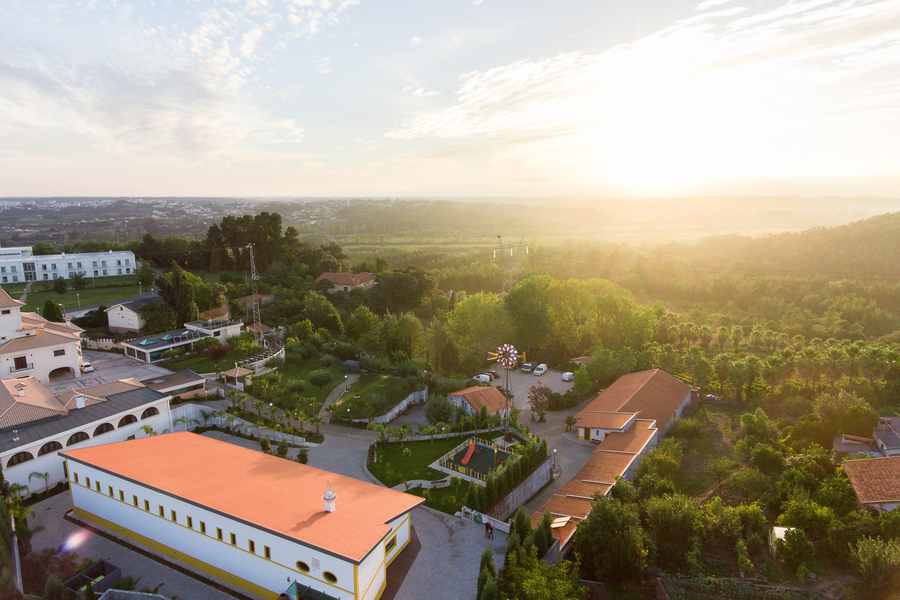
(422, 483)
(417, 397)
(188, 416)
(104, 344)
(480, 517)
(443, 436)
(525, 490)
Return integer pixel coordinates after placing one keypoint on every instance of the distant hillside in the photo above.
(868, 248)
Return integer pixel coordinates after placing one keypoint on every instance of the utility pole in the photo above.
(254, 307)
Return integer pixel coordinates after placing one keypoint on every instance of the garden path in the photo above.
(333, 396)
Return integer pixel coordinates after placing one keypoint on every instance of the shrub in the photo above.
(795, 550)
(875, 561)
(320, 377)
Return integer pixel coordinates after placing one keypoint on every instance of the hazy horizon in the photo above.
(467, 98)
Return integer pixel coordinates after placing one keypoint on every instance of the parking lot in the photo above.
(519, 384)
(108, 367)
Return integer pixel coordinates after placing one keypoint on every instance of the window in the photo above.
(103, 428)
(390, 544)
(76, 478)
(134, 500)
(121, 496)
(150, 412)
(219, 533)
(202, 527)
(162, 511)
(49, 447)
(60, 352)
(97, 485)
(233, 539)
(6, 311)
(110, 490)
(77, 438)
(19, 458)
(302, 566)
(190, 523)
(329, 577)
(147, 505)
(87, 481)
(251, 545)
(267, 552)
(127, 420)
(173, 515)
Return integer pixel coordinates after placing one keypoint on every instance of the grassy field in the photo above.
(396, 466)
(202, 363)
(98, 291)
(373, 395)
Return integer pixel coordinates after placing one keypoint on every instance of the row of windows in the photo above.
(78, 437)
(302, 566)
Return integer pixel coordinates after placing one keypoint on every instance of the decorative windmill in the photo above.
(507, 357)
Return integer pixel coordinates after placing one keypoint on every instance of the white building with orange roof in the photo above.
(472, 399)
(257, 523)
(32, 345)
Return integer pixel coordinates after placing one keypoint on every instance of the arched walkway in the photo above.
(61, 374)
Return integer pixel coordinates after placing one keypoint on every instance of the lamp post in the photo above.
(16, 558)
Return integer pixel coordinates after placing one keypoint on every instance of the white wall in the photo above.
(52, 463)
(274, 574)
(43, 361)
(92, 264)
(123, 318)
(372, 570)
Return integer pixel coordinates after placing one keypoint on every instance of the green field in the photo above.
(98, 291)
(202, 363)
(394, 466)
(374, 394)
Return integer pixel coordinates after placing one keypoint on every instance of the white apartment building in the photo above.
(260, 524)
(19, 265)
(32, 345)
(35, 425)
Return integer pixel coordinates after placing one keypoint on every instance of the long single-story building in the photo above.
(627, 419)
(151, 348)
(260, 523)
(35, 425)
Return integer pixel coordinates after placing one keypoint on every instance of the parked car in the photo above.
(494, 374)
(527, 367)
(482, 378)
(87, 367)
(539, 370)
(568, 376)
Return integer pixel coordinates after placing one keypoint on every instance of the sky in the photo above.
(594, 98)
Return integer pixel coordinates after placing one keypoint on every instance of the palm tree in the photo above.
(316, 420)
(45, 476)
(148, 430)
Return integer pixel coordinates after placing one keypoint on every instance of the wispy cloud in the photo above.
(415, 41)
(706, 4)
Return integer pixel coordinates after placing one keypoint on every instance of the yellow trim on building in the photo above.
(355, 581)
(164, 550)
(386, 563)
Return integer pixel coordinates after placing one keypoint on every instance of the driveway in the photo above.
(56, 531)
(519, 384)
(108, 367)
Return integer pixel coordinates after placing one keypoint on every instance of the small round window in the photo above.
(302, 566)
(329, 577)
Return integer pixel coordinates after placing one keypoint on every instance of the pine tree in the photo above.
(52, 312)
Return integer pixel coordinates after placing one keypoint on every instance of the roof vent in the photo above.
(329, 497)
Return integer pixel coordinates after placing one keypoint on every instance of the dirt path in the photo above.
(24, 296)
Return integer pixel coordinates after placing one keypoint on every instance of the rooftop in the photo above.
(270, 493)
(7, 301)
(164, 382)
(29, 433)
(136, 304)
(875, 480)
(603, 419)
(887, 431)
(653, 394)
(487, 396)
(26, 399)
(165, 339)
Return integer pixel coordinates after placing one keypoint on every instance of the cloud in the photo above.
(415, 41)
(782, 90)
(323, 65)
(249, 41)
(419, 92)
(711, 3)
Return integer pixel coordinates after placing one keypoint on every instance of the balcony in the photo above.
(18, 369)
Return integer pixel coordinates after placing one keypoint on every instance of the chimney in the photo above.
(329, 497)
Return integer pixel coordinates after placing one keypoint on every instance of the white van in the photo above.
(539, 370)
(482, 378)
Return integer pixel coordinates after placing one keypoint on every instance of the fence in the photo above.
(480, 517)
(447, 465)
(417, 397)
(443, 436)
(184, 415)
(423, 483)
(525, 490)
(189, 416)
(104, 344)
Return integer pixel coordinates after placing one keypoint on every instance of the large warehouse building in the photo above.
(257, 523)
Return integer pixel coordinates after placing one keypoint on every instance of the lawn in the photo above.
(374, 394)
(396, 466)
(202, 363)
(106, 291)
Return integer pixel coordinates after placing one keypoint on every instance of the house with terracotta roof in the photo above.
(259, 524)
(876, 481)
(345, 281)
(32, 345)
(473, 399)
(35, 424)
(626, 420)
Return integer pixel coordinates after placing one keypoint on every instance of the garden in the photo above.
(211, 356)
(374, 394)
(105, 291)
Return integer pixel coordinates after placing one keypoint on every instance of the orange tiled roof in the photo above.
(653, 394)
(7, 301)
(875, 480)
(346, 278)
(602, 419)
(265, 491)
(26, 399)
(487, 396)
